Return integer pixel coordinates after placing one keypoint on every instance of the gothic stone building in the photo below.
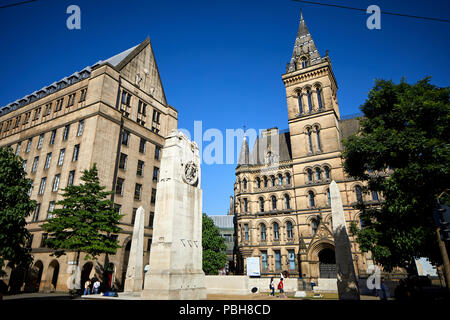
(113, 113)
(282, 197)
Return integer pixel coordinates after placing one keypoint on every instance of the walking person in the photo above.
(96, 286)
(272, 287)
(87, 290)
(281, 288)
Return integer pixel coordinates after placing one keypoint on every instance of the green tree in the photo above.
(214, 254)
(403, 153)
(85, 220)
(15, 206)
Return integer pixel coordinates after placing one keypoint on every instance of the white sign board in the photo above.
(253, 267)
(424, 267)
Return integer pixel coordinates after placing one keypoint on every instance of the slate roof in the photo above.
(223, 222)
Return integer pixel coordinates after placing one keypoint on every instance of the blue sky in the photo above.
(221, 61)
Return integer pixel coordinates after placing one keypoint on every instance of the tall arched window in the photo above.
(244, 182)
(287, 202)
(261, 204)
(258, 182)
(318, 174)
(262, 229)
(319, 147)
(265, 182)
(326, 170)
(276, 232)
(309, 140)
(358, 192)
(309, 173)
(310, 106)
(289, 232)
(288, 178)
(319, 97)
(280, 180)
(312, 202)
(300, 105)
(314, 226)
(274, 203)
(272, 180)
(329, 197)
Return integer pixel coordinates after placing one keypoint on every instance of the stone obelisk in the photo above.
(346, 278)
(134, 275)
(175, 271)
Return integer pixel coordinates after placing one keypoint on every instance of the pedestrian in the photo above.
(313, 284)
(96, 286)
(383, 292)
(272, 287)
(281, 288)
(86, 288)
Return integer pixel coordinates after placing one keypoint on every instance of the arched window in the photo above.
(314, 226)
(304, 62)
(326, 170)
(261, 204)
(319, 97)
(308, 94)
(287, 202)
(312, 202)
(358, 192)
(288, 178)
(329, 197)
(258, 182)
(276, 233)
(300, 105)
(265, 182)
(289, 232)
(272, 180)
(244, 182)
(318, 174)
(319, 147)
(280, 180)
(262, 228)
(274, 203)
(309, 140)
(309, 173)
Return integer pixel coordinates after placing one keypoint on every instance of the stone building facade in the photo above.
(281, 194)
(113, 113)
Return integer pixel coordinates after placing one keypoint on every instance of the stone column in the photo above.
(134, 280)
(175, 271)
(346, 278)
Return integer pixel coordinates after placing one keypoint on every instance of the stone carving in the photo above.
(190, 173)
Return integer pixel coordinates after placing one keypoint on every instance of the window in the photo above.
(262, 229)
(265, 182)
(71, 100)
(117, 208)
(289, 231)
(319, 148)
(310, 175)
(140, 168)
(36, 212)
(277, 260)
(318, 174)
(312, 202)
(41, 140)
(83, 95)
(358, 192)
(304, 62)
(314, 226)
(272, 180)
(142, 108)
(319, 97)
(17, 122)
(59, 104)
(123, 161)
(153, 198)
(80, 128)
(56, 183)
(287, 201)
(51, 207)
(52, 137)
(37, 113)
(280, 180)
(310, 106)
(71, 178)
(119, 186)
(300, 105)
(28, 145)
(44, 238)
(246, 236)
(133, 217)
(18, 148)
(48, 109)
(42, 186)
(142, 145)
(76, 151)
(155, 173)
(155, 130)
(276, 232)
(150, 220)
(30, 241)
(66, 132)
(24, 165)
(327, 172)
(261, 204)
(245, 183)
(264, 262)
(288, 178)
(125, 137)
(157, 152)
(245, 205)
(274, 203)
(48, 159)
(374, 196)
(291, 257)
(61, 157)
(126, 98)
(309, 140)
(35, 164)
(27, 117)
(258, 182)
(329, 197)
(156, 115)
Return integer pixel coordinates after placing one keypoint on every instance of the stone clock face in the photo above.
(191, 173)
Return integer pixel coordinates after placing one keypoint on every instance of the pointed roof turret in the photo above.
(244, 155)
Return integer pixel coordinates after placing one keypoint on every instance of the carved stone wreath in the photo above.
(190, 173)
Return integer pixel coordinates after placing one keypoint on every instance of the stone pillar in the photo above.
(175, 271)
(134, 280)
(346, 279)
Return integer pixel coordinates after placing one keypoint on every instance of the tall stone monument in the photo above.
(175, 271)
(134, 275)
(346, 278)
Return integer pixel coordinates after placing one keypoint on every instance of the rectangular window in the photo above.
(291, 256)
(66, 132)
(246, 237)
(155, 173)
(48, 160)
(119, 186)
(71, 178)
(133, 217)
(155, 130)
(27, 117)
(36, 212)
(118, 208)
(245, 205)
(48, 109)
(140, 168)
(76, 151)
(137, 191)
(24, 165)
(8, 125)
(264, 261)
(150, 220)
(156, 115)
(56, 183)
(83, 95)
(123, 161)
(28, 145)
(16, 124)
(80, 128)
(44, 237)
(125, 137)
(59, 104)
(35, 164)
(52, 137)
(18, 148)
(126, 98)
(42, 185)
(61, 157)
(51, 207)
(71, 100)
(157, 152)
(41, 140)
(142, 108)
(153, 199)
(142, 145)
(277, 260)
(37, 114)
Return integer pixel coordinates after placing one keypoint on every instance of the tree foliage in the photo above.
(85, 220)
(214, 255)
(402, 152)
(15, 206)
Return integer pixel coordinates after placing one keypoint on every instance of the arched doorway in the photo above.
(85, 273)
(34, 277)
(327, 263)
(52, 276)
